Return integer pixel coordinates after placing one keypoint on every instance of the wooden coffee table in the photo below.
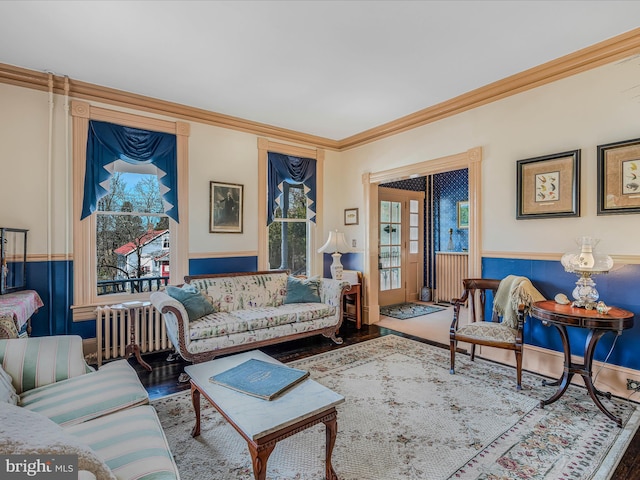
(263, 423)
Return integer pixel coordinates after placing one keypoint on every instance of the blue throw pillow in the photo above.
(303, 290)
(194, 302)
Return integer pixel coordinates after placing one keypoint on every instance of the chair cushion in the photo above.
(7, 392)
(303, 290)
(131, 442)
(28, 433)
(36, 361)
(193, 301)
(491, 331)
(114, 387)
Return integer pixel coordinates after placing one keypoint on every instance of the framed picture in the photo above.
(463, 214)
(619, 177)
(549, 186)
(225, 207)
(351, 216)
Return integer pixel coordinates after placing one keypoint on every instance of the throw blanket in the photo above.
(512, 292)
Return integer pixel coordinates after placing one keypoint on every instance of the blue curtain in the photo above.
(108, 142)
(295, 171)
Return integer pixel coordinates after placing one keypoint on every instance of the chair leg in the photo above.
(452, 349)
(518, 370)
(473, 352)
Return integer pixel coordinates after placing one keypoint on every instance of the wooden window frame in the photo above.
(85, 297)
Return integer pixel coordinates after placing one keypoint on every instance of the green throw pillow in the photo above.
(303, 290)
(194, 302)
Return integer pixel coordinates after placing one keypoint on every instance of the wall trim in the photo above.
(555, 257)
(613, 49)
(205, 255)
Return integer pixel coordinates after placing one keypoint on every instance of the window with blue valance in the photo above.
(295, 171)
(107, 143)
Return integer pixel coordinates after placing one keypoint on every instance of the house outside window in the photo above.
(132, 234)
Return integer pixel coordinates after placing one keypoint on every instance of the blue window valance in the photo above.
(295, 171)
(108, 142)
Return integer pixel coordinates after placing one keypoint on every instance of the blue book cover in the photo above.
(259, 378)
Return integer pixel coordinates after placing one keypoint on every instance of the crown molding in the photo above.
(613, 49)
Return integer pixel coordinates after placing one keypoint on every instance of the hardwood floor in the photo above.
(163, 379)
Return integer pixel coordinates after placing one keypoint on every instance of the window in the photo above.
(102, 252)
(290, 226)
(289, 232)
(132, 233)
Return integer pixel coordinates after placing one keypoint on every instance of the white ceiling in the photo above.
(327, 68)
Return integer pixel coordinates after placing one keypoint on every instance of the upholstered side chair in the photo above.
(490, 332)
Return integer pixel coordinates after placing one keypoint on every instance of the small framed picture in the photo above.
(619, 177)
(549, 186)
(351, 216)
(225, 207)
(463, 214)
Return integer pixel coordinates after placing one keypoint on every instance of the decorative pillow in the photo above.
(303, 290)
(28, 433)
(7, 391)
(194, 302)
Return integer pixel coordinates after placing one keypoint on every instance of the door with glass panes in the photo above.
(400, 245)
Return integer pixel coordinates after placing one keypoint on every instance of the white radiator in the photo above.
(113, 332)
(451, 269)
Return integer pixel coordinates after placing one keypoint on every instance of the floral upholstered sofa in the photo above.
(52, 403)
(216, 314)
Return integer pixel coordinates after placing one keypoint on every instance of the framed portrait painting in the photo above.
(549, 186)
(619, 177)
(225, 207)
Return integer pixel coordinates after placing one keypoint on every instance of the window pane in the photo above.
(413, 247)
(385, 211)
(385, 236)
(293, 205)
(396, 210)
(413, 220)
(132, 249)
(413, 206)
(291, 253)
(413, 233)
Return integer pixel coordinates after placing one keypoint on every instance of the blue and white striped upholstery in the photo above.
(7, 392)
(36, 361)
(112, 388)
(131, 443)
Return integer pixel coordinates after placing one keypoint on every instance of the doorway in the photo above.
(400, 237)
(470, 160)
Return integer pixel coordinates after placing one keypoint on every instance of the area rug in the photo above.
(402, 311)
(406, 417)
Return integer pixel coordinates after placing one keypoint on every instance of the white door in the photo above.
(400, 253)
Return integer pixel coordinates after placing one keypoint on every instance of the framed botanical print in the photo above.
(462, 210)
(225, 207)
(549, 186)
(619, 177)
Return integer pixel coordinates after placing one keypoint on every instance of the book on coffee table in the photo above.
(260, 379)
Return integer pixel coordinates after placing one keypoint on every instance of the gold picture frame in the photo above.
(462, 210)
(619, 177)
(549, 186)
(351, 216)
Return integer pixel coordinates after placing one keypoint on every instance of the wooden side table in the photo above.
(133, 309)
(563, 316)
(356, 289)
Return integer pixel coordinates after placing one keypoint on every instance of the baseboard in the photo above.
(549, 363)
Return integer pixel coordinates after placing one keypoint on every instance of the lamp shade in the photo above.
(336, 243)
(586, 259)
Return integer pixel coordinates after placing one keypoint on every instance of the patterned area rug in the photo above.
(402, 311)
(406, 417)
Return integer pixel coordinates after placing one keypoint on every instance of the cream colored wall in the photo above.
(580, 112)
(215, 154)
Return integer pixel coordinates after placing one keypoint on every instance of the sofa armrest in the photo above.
(331, 292)
(175, 319)
(37, 361)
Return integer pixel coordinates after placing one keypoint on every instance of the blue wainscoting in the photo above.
(619, 287)
(201, 266)
(349, 261)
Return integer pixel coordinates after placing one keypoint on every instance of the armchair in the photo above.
(494, 332)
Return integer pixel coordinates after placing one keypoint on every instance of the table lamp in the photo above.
(586, 263)
(337, 244)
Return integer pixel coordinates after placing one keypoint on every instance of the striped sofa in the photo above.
(52, 402)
